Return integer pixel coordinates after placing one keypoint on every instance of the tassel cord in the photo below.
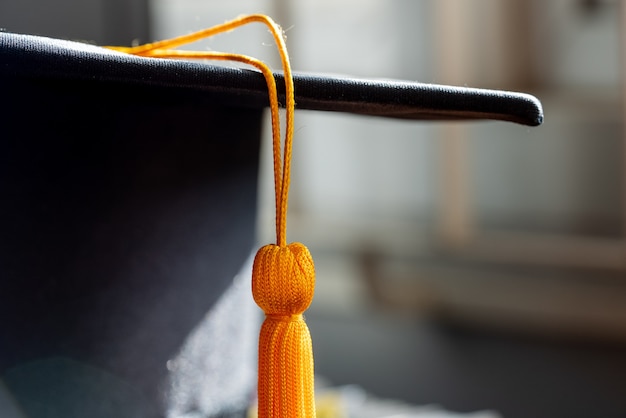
(164, 49)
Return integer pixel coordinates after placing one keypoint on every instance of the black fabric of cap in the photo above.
(31, 56)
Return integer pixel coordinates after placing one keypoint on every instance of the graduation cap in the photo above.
(128, 196)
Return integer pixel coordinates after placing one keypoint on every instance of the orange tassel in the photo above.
(283, 280)
(283, 276)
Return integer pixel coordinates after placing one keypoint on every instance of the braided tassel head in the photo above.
(283, 281)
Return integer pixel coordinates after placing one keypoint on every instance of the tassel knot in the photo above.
(283, 279)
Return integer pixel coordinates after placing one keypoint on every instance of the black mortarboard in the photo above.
(121, 227)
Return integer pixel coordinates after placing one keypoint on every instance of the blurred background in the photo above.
(472, 265)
